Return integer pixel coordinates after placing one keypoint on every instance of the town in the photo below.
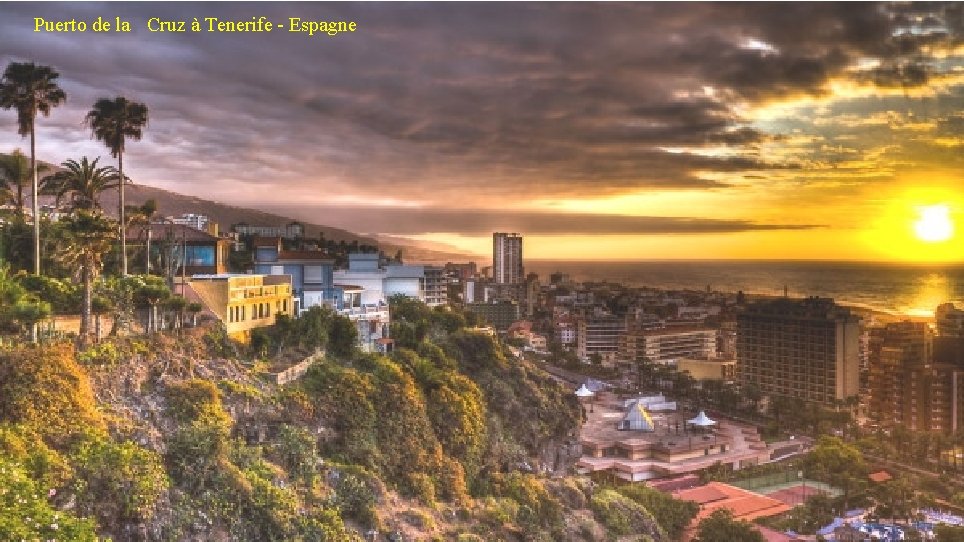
(713, 397)
(482, 272)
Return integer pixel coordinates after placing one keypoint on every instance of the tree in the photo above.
(113, 122)
(194, 309)
(152, 291)
(82, 182)
(10, 292)
(342, 336)
(30, 311)
(144, 214)
(31, 89)
(15, 176)
(89, 236)
(720, 526)
(100, 305)
(176, 305)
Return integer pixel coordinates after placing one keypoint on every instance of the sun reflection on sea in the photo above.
(932, 290)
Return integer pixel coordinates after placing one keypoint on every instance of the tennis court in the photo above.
(786, 487)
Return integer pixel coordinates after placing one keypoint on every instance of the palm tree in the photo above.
(82, 182)
(144, 215)
(15, 176)
(113, 121)
(90, 235)
(31, 89)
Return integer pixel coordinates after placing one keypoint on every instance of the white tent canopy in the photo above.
(637, 419)
(584, 392)
(701, 420)
(644, 400)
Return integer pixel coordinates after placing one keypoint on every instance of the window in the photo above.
(200, 255)
(314, 274)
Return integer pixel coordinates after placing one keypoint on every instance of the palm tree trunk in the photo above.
(123, 227)
(20, 204)
(147, 255)
(35, 203)
(86, 310)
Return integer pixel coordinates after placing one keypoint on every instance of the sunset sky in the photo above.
(600, 131)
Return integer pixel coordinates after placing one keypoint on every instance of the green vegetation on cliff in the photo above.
(178, 436)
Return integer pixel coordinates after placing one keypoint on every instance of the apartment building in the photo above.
(242, 302)
(801, 348)
(667, 345)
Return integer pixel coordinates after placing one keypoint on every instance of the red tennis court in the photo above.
(796, 494)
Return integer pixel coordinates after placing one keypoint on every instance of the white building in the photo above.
(565, 333)
(191, 220)
(379, 283)
(667, 345)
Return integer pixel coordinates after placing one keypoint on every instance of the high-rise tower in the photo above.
(507, 258)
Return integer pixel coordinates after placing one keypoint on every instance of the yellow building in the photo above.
(243, 302)
(708, 369)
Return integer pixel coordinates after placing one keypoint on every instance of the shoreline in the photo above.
(866, 313)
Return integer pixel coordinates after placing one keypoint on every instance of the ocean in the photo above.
(897, 289)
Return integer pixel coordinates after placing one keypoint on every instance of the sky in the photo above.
(601, 131)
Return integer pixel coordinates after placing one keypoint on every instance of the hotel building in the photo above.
(801, 348)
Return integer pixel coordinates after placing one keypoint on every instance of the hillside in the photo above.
(180, 436)
(171, 203)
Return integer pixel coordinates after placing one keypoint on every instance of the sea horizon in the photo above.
(909, 289)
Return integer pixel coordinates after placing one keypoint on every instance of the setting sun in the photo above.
(934, 224)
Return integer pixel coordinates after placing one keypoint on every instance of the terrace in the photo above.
(671, 448)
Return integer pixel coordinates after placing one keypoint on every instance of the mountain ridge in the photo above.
(170, 203)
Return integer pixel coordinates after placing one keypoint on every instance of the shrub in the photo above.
(419, 520)
(537, 508)
(721, 527)
(118, 482)
(26, 514)
(671, 514)
(195, 399)
(422, 488)
(622, 516)
(47, 391)
(354, 495)
(105, 355)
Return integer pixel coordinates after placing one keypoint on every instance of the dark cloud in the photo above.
(432, 102)
(402, 221)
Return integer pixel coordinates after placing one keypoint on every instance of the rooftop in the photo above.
(672, 448)
(744, 504)
(313, 255)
